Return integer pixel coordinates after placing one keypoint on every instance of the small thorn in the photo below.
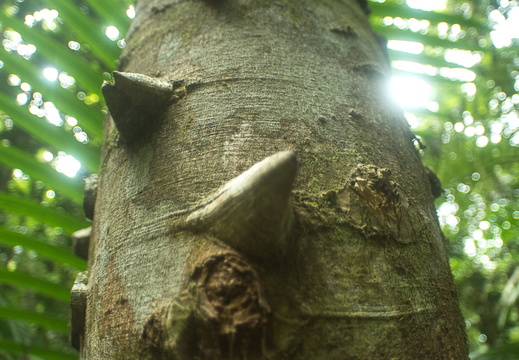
(252, 212)
(81, 242)
(90, 196)
(78, 297)
(135, 101)
(143, 84)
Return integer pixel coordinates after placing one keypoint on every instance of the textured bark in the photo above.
(343, 261)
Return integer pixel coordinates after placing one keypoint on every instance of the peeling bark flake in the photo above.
(375, 205)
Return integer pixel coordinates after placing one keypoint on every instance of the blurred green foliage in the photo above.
(54, 58)
(471, 131)
(56, 53)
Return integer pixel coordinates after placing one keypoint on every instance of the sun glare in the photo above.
(428, 5)
(406, 46)
(112, 32)
(67, 165)
(411, 92)
(50, 74)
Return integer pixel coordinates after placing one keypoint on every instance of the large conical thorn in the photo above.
(252, 212)
(136, 100)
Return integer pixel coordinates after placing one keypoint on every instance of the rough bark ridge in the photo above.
(191, 260)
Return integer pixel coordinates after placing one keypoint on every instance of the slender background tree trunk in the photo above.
(352, 266)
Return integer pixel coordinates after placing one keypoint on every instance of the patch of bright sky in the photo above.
(19, 175)
(469, 89)
(447, 214)
(74, 45)
(130, 12)
(412, 92)
(14, 80)
(428, 5)
(52, 114)
(112, 32)
(458, 74)
(47, 156)
(13, 42)
(484, 239)
(406, 46)
(63, 163)
(72, 121)
(505, 28)
(418, 68)
(67, 164)
(22, 98)
(464, 58)
(80, 135)
(50, 73)
(66, 81)
(46, 16)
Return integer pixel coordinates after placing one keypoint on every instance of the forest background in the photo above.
(455, 73)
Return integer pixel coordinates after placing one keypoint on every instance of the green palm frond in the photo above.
(392, 9)
(505, 352)
(51, 252)
(45, 287)
(44, 353)
(15, 158)
(47, 321)
(55, 52)
(80, 100)
(51, 217)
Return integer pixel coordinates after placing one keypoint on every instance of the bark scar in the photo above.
(233, 309)
(222, 314)
(375, 205)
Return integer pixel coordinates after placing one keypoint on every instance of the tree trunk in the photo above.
(335, 255)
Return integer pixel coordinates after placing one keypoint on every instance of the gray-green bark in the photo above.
(347, 261)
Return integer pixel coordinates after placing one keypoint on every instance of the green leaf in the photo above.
(47, 321)
(429, 40)
(51, 217)
(111, 12)
(433, 80)
(18, 159)
(87, 31)
(425, 59)
(89, 117)
(406, 12)
(57, 53)
(54, 136)
(52, 252)
(44, 353)
(505, 352)
(41, 286)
